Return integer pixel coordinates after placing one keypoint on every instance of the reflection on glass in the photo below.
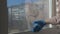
(22, 15)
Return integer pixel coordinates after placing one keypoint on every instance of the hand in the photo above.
(58, 21)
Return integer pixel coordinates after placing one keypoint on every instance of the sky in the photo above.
(17, 2)
(14, 2)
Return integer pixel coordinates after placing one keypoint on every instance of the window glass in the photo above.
(21, 14)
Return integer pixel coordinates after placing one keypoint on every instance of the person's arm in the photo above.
(41, 23)
(52, 20)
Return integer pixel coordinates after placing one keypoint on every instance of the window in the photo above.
(23, 13)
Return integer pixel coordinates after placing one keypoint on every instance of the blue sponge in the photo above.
(38, 25)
